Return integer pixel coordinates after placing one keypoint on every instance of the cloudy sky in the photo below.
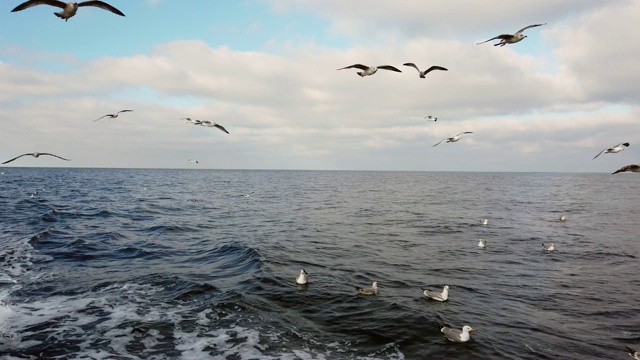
(266, 70)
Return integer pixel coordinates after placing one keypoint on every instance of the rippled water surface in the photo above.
(199, 264)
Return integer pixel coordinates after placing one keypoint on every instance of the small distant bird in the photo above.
(613, 150)
(194, 161)
(549, 247)
(509, 38)
(456, 335)
(482, 243)
(485, 222)
(68, 9)
(112, 116)
(208, 123)
(194, 122)
(562, 218)
(431, 118)
(438, 296)
(370, 70)
(373, 290)
(630, 168)
(303, 278)
(35, 155)
(423, 73)
(454, 138)
(634, 354)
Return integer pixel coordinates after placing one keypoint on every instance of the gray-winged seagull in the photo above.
(454, 138)
(194, 122)
(613, 150)
(431, 118)
(35, 155)
(435, 295)
(456, 335)
(549, 247)
(208, 123)
(68, 9)
(112, 116)
(511, 38)
(370, 70)
(368, 291)
(423, 73)
(630, 168)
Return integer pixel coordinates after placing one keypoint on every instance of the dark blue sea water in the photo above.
(200, 264)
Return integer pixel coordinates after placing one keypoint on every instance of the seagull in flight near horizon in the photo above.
(194, 161)
(423, 73)
(35, 155)
(112, 116)
(454, 138)
(208, 123)
(630, 168)
(191, 121)
(68, 9)
(370, 70)
(511, 38)
(431, 118)
(613, 150)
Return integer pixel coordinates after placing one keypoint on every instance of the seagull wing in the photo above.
(600, 153)
(527, 27)
(31, 3)
(633, 167)
(439, 142)
(389, 67)
(221, 128)
(622, 144)
(17, 157)
(451, 334)
(502, 37)
(103, 117)
(412, 65)
(102, 5)
(357, 66)
(466, 132)
(435, 67)
(121, 111)
(59, 157)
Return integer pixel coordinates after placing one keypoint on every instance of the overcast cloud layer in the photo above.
(548, 103)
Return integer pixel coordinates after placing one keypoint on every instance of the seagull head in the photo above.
(446, 287)
(468, 328)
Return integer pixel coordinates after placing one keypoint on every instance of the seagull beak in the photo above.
(472, 330)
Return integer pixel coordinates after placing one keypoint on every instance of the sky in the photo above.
(266, 70)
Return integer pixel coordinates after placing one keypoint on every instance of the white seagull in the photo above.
(485, 222)
(112, 116)
(456, 335)
(194, 161)
(68, 9)
(630, 168)
(454, 138)
(511, 38)
(549, 247)
(482, 243)
(562, 218)
(303, 278)
(634, 354)
(208, 123)
(370, 70)
(613, 150)
(438, 296)
(431, 118)
(373, 290)
(423, 73)
(35, 155)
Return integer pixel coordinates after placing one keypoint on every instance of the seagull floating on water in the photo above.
(438, 296)
(456, 335)
(613, 150)
(370, 70)
(562, 218)
(482, 243)
(112, 116)
(431, 118)
(511, 38)
(208, 123)
(630, 168)
(68, 9)
(373, 290)
(454, 138)
(430, 69)
(634, 354)
(303, 278)
(35, 155)
(485, 222)
(549, 247)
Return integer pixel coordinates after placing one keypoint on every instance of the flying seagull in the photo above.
(112, 116)
(303, 278)
(35, 155)
(194, 161)
(431, 118)
(423, 73)
(456, 335)
(68, 9)
(634, 354)
(630, 168)
(370, 70)
(549, 247)
(438, 296)
(368, 291)
(208, 123)
(509, 38)
(192, 121)
(613, 150)
(454, 138)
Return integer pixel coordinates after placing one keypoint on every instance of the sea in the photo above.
(201, 264)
